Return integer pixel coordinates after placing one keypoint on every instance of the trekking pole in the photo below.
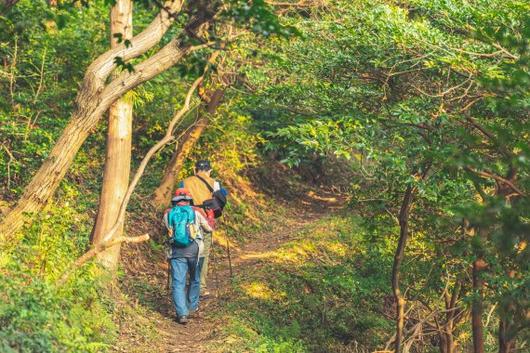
(229, 257)
(168, 259)
(169, 275)
(214, 269)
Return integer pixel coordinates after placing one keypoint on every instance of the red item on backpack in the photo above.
(209, 217)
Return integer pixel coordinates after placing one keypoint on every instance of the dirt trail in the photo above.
(204, 327)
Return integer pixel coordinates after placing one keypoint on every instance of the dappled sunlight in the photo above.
(361, 168)
(315, 196)
(258, 255)
(4, 260)
(220, 239)
(330, 252)
(295, 254)
(259, 290)
(335, 248)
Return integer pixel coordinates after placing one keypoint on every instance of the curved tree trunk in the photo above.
(162, 194)
(118, 151)
(93, 100)
(109, 240)
(398, 259)
(403, 219)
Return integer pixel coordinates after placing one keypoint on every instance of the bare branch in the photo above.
(505, 51)
(139, 44)
(167, 57)
(97, 249)
(497, 178)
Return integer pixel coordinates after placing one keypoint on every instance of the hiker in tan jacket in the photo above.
(202, 188)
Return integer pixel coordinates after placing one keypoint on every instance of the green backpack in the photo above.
(180, 219)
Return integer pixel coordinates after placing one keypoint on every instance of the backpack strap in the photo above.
(205, 183)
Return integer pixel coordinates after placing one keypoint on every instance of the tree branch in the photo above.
(97, 249)
(139, 44)
(167, 57)
(496, 178)
(108, 240)
(168, 137)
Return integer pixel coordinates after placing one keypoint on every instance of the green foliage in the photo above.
(35, 314)
(325, 294)
(432, 87)
(230, 142)
(317, 137)
(427, 94)
(40, 81)
(259, 17)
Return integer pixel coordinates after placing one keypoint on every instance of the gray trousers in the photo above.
(207, 241)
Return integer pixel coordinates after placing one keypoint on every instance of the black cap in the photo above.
(203, 165)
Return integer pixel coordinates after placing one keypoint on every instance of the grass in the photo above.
(321, 292)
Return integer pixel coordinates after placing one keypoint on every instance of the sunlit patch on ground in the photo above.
(221, 239)
(335, 248)
(258, 290)
(296, 254)
(315, 196)
(258, 255)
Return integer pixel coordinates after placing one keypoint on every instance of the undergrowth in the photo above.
(36, 314)
(321, 292)
(87, 314)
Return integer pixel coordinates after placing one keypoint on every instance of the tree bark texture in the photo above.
(118, 150)
(162, 194)
(93, 100)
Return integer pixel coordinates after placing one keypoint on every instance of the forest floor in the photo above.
(148, 319)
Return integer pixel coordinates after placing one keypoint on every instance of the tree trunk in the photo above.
(398, 259)
(447, 343)
(403, 219)
(162, 194)
(506, 339)
(118, 152)
(477, 307)
(507, 327)
(94, 98)
(5, 5)
(507, 334)
(447, 330)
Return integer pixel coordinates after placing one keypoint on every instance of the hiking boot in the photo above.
(183, 320)
(194, 313)
(205, 295)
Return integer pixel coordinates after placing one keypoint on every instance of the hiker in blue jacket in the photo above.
(185, 227)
